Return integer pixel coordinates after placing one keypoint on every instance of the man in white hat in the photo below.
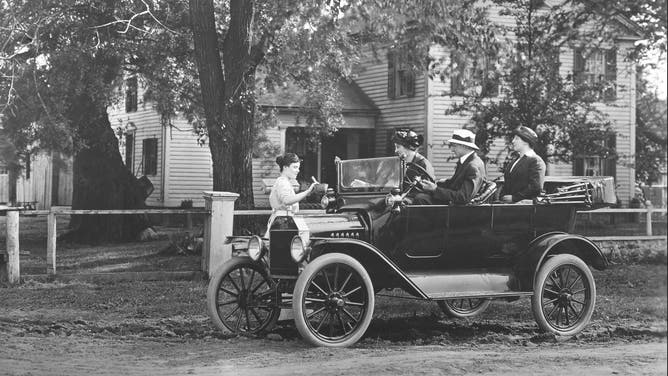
(467, 180)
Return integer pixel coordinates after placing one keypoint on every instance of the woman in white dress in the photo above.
(283, 199)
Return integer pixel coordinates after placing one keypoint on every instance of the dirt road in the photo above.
(161, 328)
(37, 355)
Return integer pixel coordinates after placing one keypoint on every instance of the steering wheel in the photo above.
(414, 174)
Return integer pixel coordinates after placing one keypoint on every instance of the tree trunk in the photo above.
(102, 181)
(228, 96)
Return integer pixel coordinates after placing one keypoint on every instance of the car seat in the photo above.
(485, 193)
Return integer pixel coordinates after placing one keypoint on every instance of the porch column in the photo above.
(217, 227)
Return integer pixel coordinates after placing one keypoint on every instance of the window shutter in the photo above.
(456, 84)
(578, 166)
(391, 74)
(410, 82)
(150, 156)
(131, 94)
(611, 73)
(28, 165)
(578, 66)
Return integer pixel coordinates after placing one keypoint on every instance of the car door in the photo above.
(468, 237)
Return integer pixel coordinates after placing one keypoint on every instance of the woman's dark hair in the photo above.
(286, 160)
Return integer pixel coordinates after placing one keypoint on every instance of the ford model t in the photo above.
(328, 266)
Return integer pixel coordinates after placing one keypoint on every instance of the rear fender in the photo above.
(551, 244)
(383, 271)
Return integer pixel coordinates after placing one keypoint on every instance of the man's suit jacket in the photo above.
(464, 184)
(525, 180)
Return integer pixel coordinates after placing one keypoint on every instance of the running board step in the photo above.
(461, 284)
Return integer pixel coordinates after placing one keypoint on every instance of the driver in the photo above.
(469, 174)
(406, 143)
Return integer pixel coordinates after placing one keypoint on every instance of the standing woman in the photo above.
(283, 196)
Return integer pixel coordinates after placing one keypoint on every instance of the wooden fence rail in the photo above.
(648, 214)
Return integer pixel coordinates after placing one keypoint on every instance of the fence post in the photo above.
(217, 227)
(51, 242)
(649, 220)
(12, 243)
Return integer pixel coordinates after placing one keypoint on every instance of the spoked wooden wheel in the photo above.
(333, 301)
(462, 308)
(241, 297)
(564, 295)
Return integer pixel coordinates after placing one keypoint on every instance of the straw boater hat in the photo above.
(463, 137)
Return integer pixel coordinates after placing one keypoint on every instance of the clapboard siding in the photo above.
(189, 167)
(398, 112)
(39, 187)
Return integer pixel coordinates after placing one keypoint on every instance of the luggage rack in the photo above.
(587, 190)
(581, 193)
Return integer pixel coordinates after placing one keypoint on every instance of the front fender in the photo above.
(530, 261)
(383, 271)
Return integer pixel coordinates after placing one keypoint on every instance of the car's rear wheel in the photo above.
(241, 297)
(564, 295)
(462, 308)
(333, 301)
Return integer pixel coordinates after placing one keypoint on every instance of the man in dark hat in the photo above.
(467, 179)
(524, 177)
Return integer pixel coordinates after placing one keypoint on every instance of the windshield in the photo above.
(369, 175)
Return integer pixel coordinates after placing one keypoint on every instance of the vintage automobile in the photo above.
(328, 266)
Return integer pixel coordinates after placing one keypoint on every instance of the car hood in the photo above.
(333, 225)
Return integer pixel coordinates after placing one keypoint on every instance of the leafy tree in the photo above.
(62, 67)
(314, 43)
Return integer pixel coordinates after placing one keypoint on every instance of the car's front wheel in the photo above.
(333, 301)
(564, 295)
(241, 297)
(463, 308)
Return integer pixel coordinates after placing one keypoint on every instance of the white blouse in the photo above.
(280, 192)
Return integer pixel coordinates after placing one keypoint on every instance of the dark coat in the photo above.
(525, 181)
(463, 185)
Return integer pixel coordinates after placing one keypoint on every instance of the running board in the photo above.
(466, 284)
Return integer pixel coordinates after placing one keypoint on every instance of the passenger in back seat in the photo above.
(525, 175)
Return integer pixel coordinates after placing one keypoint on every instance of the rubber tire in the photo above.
(536, 300)
(214, 284)
(454, 313)
(305, 278)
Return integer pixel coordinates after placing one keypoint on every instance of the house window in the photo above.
(400, 76)
(469, 74)
(150, 156)
(591, 165)
(598, 68)
(129, 150)
(131, 94)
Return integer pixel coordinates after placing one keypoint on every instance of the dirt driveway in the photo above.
(88, 356)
